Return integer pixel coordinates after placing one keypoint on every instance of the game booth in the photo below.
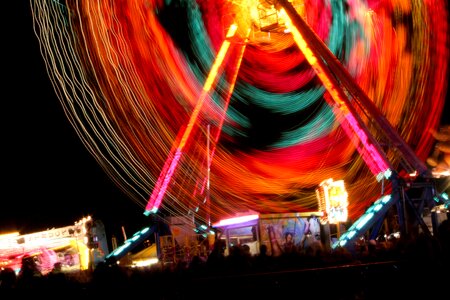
(76, 247)
(280, 232)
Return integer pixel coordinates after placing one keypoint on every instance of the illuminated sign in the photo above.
(333, 199)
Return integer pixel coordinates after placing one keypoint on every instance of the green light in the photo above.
(120, 249)
(154, 210)
(364, 220)
(351, 234)
(386, 199)
(388, 173)
(379, 176)
(377, 207)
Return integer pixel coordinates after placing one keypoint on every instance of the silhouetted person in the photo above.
(56, 278)
(238, 260)
(109, 275)
(262, 261)
(444, 240)
(197, 265)
(216, 259)
(8, 279)
(29, 275)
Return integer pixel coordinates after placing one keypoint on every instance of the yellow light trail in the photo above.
(370, 152)
(164, 177)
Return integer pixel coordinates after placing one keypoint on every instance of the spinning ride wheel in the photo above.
(131, 78)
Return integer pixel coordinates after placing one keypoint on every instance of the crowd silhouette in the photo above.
(308, 271)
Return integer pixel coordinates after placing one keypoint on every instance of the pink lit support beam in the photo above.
(364, 142)
(334, 66)
(165, 177)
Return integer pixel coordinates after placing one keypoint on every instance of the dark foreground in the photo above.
(417, 270)
(374, 280)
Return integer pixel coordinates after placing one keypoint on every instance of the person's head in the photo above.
(263, 249)
(57, 267)
(288, 237)
(246, 249)
(28, 262)
(29, 265)
(7, 277)
(219, 246)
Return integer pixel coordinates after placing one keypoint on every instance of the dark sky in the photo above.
(48, 177)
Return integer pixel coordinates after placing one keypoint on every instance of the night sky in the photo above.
(48, 178)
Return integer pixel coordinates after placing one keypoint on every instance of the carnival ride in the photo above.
(289, 110)
(351, 105)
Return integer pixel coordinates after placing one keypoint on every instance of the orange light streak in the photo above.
(157, 194)
(375, 160)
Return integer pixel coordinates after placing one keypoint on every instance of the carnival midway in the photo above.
(283, 161)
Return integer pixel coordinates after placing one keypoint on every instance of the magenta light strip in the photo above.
(368, 152)
(236, 220)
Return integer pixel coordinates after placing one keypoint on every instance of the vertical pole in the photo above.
(124, 234)
(338, 230)
(325, 236)
(113, 242)
(208, 162)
